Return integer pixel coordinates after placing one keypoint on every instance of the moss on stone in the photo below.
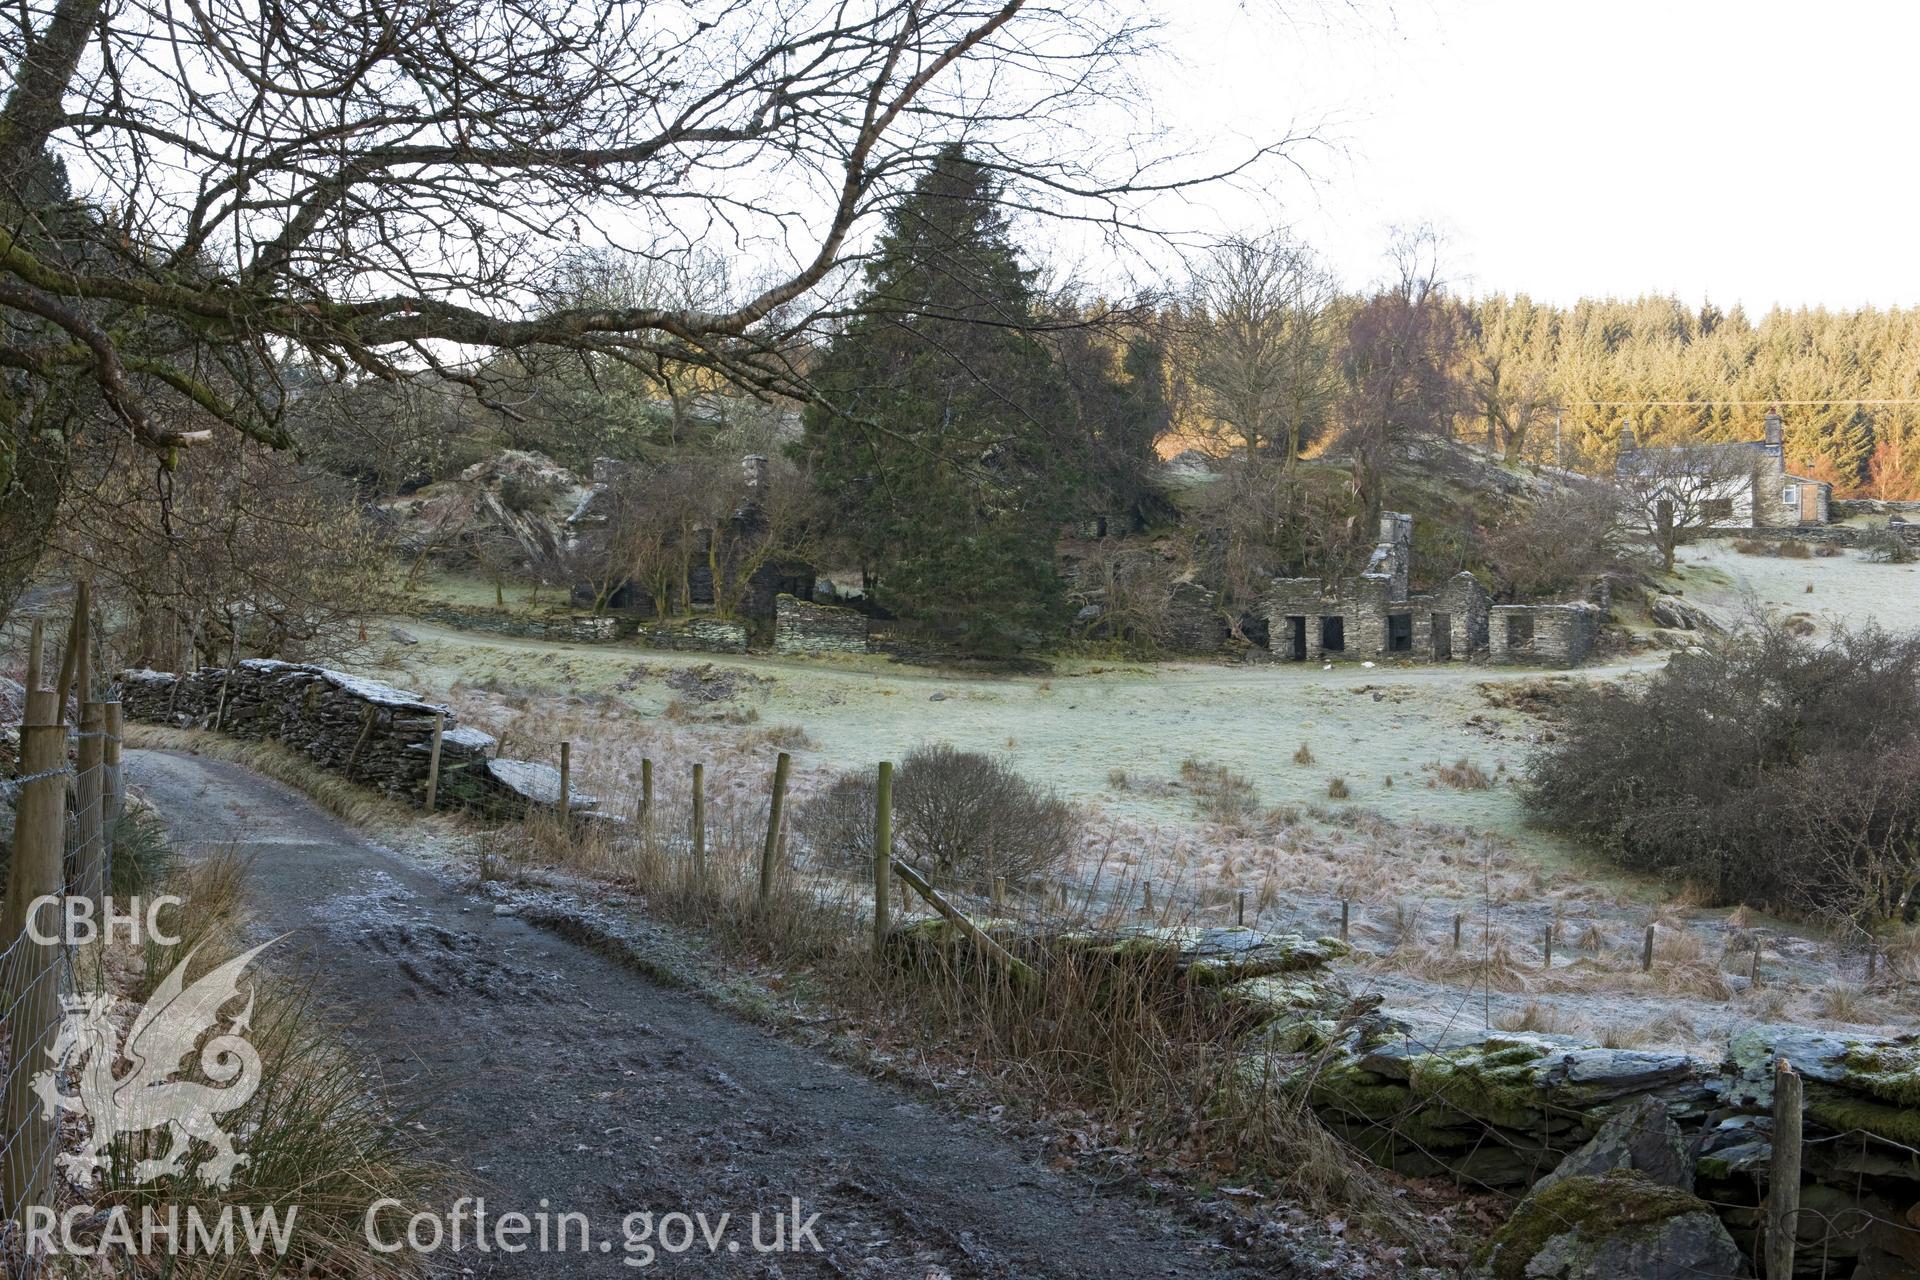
(1614, 1204)
(1344, 1087)
(1493, 1081)
(1846, 1112)
(1890, 1071)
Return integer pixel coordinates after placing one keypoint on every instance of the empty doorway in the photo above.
(1399, 633)
(1442, 637)
(1333, 634)
(1297, 637)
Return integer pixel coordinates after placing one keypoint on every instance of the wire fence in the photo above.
(723, 829)
(66, 796)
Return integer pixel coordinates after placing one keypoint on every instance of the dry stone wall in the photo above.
(1517, 1111)
(366, 731)
(801, 627)
(695, 635)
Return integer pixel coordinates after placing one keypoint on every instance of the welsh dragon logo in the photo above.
(163, 1036)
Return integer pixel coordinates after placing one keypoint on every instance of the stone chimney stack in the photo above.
(1628, 443)
(753, 469)
(1776, 434)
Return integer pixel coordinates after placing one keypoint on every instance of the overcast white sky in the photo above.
(1751, 151)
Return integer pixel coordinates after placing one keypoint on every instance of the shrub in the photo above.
(1337, 789)
(1886, 546)
(957, 815)
(1792, 549)
(1777, 771)
(1304, 755)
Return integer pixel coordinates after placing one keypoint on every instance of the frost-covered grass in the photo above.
(1417, 841)
(1846, 588)
(1073, 728)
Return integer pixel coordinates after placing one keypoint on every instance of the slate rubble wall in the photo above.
(369, 732)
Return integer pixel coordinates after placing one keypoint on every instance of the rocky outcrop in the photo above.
(368, 732)
(1643, 1138)
(515, 507)
(1620, 1225)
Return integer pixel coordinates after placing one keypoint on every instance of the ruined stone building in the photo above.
(1751, 486)
(1372, 614)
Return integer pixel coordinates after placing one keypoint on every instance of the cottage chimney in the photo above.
(1776, 435)
(753, 468)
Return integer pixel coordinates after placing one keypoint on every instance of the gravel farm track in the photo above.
(548, 1073)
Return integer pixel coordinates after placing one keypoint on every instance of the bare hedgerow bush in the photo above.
(1887, 546)
(1775, 771)
(956, 815)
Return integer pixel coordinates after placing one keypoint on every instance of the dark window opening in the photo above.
(1399, 633)
(1715, 510)
(1333, 634)
(1519, 631)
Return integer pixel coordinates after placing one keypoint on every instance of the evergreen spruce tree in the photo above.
(944, 440)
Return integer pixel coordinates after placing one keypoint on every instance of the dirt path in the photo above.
(555, 1078)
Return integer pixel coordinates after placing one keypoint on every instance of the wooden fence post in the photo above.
(1458, 920)
(36, 655)
(1240, 908)
(89, 840)
(646, 794)
(30, 988)
(1783, 1178)
(433, 759)
(566, 786)
(700, 818)
(1546, 948)
(1346, 912)
(1646, 952)
(882, 853)
(776, 813)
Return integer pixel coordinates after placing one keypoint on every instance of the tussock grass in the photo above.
(317, 1138)
(1485, 961)
(1304, 755)
(1337, 789)
(1547, 1018)
(1122, 1046)
(1462, 775)
(348, 801)
(1220, 794)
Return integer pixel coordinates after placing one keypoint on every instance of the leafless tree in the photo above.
(379, 188)
(1558, 543)
(1400, 363)
(1258, 344)
(242, 553)
(1671, 492)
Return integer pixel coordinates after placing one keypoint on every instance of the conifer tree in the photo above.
(943, 436)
